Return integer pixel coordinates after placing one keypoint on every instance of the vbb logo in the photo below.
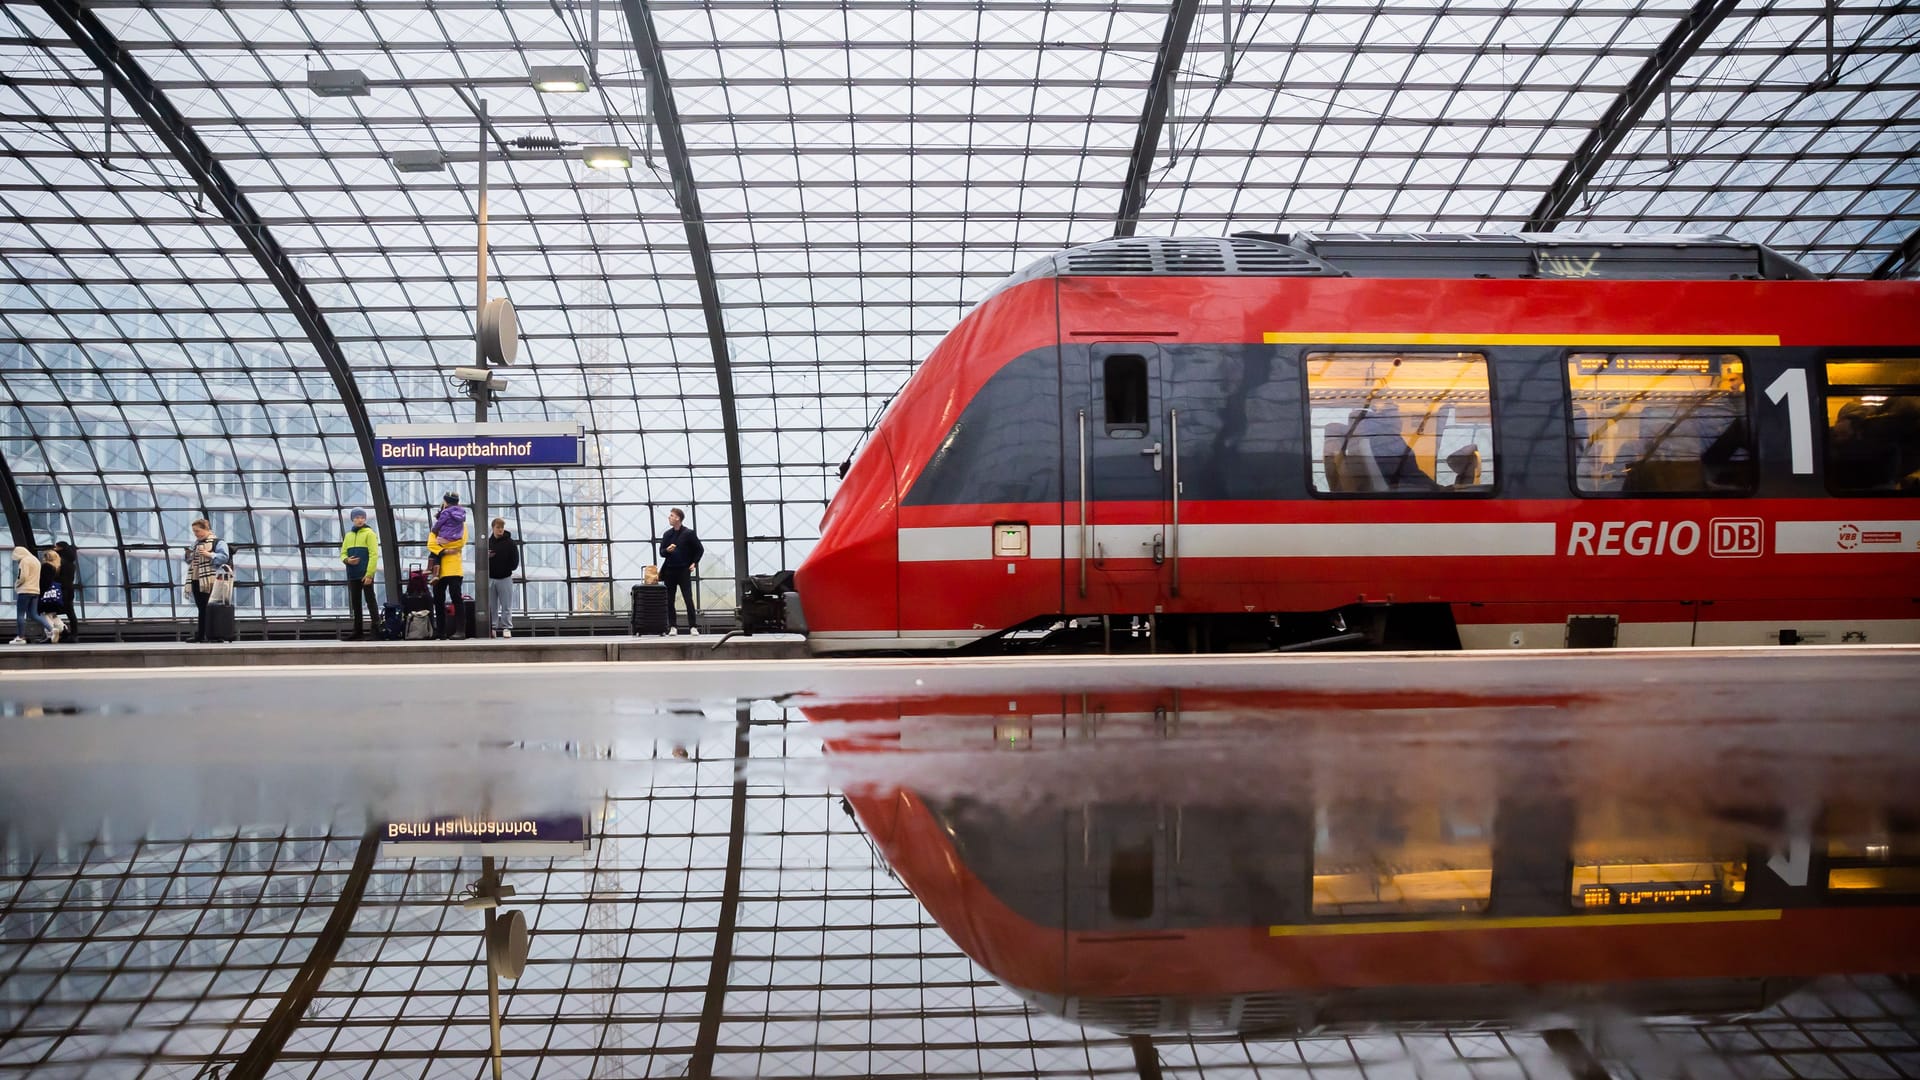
(1734, 538)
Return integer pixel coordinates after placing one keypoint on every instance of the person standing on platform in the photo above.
(680, 553)
(444, 546)
(206, 557)
(503, 558)
(26, 598)
(53, 595)
(70, 590)
(360, 555)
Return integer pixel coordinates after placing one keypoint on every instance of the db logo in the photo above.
(1849, 537)
(1734, 538)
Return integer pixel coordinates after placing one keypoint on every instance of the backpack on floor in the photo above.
(419, 626)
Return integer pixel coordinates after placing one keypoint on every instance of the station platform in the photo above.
(559, 650)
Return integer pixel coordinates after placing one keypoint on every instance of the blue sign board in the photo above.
(467, 451)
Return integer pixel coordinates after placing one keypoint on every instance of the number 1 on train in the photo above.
(1792, 385)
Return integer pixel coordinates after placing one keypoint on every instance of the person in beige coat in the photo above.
(26, 598)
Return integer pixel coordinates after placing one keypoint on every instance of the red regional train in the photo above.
(1272, 441)
(1320, 884)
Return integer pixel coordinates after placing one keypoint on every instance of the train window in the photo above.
(1400, 423)
(1375, 856)
(1124, 387)
(1641, 858)
(1871, 850)
(1659, 423)
(1873, 426)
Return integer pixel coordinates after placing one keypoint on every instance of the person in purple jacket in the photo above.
(450, 525)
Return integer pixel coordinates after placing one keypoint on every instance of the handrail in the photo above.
(1173, 538)
(1083, 503)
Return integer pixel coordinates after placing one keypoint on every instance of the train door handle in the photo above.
(1154, 453)
(1159, 546)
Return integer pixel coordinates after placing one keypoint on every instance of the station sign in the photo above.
(465, 446)
(454, 836)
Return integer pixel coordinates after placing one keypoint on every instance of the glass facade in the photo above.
(864, 173)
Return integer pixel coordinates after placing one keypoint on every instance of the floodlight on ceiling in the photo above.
(338, 82)
(560, 78)
(607, 157)
(419, 161)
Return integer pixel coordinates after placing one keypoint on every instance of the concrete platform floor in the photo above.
(43, 657)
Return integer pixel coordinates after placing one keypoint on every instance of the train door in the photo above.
(1124, 465)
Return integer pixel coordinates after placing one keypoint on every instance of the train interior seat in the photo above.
(1465, 463)
(1332, 458)
(1362, 471)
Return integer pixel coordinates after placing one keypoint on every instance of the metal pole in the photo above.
(489, 884)
(479, 530)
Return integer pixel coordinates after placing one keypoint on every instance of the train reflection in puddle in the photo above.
(1147, 862)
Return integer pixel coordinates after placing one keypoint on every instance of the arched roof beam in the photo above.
(15, 507)
(673, 146)
(1146, 138)
(122, 70)
(1901, 259)
(1645, 87)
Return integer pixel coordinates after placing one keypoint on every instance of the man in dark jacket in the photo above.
(503, 558)
(680, 553)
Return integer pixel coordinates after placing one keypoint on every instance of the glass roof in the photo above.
(864, 174)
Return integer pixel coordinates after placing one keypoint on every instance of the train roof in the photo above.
(1593, 256)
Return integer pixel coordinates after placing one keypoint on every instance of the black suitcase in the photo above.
(220, 623)
(650, 609)
(466, 606)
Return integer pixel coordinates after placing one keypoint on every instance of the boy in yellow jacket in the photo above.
(360, 556)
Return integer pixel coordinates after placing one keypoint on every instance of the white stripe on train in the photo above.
(1495, 636)
(974, 543)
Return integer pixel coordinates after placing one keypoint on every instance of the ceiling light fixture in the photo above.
(418, 161)
(607, 157)
(338, 82)
(560, 79)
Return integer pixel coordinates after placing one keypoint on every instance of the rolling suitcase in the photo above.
(419, 592)
(220, 621)
(649, 609)
(464, 618)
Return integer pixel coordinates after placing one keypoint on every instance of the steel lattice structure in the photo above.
(208, 294)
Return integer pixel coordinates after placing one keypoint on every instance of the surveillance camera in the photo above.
(473, 374)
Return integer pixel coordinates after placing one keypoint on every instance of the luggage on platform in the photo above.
(466, 609)
(221, 625)
(763, 605)
(649, 609)
(419, 626)
(393, 622)
(419, 593)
